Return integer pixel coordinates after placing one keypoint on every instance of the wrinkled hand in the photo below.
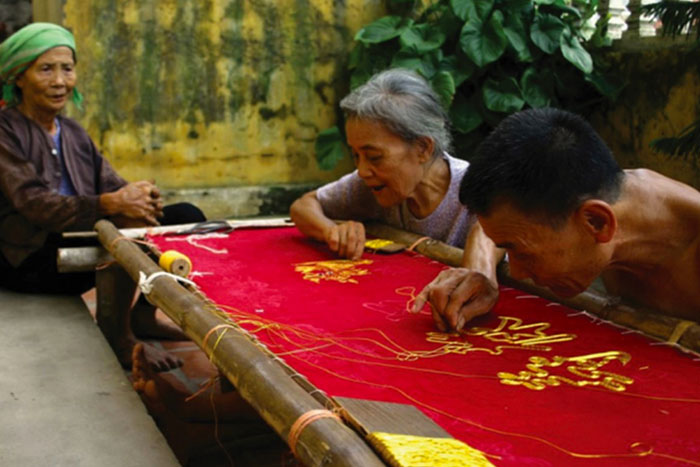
(141, 201)
(456, 296)
(347, 239)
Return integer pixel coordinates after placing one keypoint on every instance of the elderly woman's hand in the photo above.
(139, 201)
(347, 239)
(456, 296)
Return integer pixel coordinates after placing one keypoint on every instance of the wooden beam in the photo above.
(163, 229)
(652, 323)
(82, 259)
(260, 379)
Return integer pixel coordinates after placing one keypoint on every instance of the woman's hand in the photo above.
(139, 201)
(456, 296)
(347, 239)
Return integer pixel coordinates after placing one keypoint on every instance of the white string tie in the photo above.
(146, 282)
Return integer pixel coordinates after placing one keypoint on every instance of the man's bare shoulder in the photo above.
(649, 186)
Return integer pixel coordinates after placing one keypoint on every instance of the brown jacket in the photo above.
(30, 205)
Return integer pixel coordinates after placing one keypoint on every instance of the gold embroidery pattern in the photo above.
(586, 367)
(339, 270)
(510, 333)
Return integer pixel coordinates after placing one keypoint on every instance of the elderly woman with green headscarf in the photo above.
(53, 178)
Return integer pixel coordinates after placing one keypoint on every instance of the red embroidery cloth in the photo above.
(358, 340)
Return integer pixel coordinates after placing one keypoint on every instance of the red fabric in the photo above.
(659, 412)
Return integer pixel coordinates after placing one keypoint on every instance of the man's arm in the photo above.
(346, 238)
(458, 295)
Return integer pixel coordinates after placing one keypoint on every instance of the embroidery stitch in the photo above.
(339, 270)
(584, 366)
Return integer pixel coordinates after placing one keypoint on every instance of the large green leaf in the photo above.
(383, 29)
(516, 33)
(459, 67)
(502, 96)
(330, 148)
(464, 114)
(534, 89)
(470, 10)
(546, 32)
(484, 42)
(412, 60)
(443, 84)
(574, 52)
(423, 38)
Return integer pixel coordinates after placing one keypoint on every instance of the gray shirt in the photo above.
(350, 198)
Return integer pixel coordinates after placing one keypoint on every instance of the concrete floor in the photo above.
(64, 399)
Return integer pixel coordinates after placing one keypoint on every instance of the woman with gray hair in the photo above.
(399, 136)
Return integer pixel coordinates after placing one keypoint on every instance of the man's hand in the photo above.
(346, 239)
(456, 296)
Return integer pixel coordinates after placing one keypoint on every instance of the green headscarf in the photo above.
(26, 45)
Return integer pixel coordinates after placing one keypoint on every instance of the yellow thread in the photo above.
(226, 327)
(377, 243)
(175, 262)
(419, 451)
(679, 330)
(339, 270)
(417, 242)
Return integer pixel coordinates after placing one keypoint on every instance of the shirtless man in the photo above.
(546, 188)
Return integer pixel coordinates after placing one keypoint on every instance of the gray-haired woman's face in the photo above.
(390, 166)
(48, 82)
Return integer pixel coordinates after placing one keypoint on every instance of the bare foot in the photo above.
(146, 324)
(143, 378)
(157, 359)
(208, 407)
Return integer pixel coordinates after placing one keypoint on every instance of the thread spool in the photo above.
(175, 262)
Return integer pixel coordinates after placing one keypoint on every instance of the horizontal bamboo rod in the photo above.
(260, 380)
(141, 232)
(653, 324)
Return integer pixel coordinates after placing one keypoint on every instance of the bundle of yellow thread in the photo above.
(175, 262)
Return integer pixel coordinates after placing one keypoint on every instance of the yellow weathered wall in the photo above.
(661, 98)
(214, 93)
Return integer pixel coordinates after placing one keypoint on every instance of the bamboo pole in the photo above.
(260, 380)
(656, 325)
(81, 259)
(141, 232)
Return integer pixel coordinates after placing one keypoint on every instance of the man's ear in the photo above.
(598, 218)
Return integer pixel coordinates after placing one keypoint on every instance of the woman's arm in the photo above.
(346, 238)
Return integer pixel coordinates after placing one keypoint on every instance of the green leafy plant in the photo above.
(485, 59)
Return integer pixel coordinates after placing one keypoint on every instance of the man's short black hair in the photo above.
(546, 162)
